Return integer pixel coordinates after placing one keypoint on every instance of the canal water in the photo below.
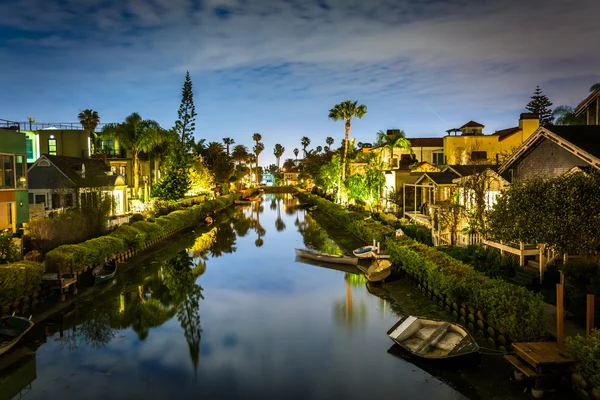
(226, 313)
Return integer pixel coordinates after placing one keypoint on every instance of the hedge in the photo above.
(19, 278)
(515, 309)
(129, 237)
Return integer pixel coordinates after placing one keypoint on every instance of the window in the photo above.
(479, 156)
(40, 199)
(438, 158)
(29, 148)
(7, 172)
(122, 170)
(21, 171)
(68, 200)
(55, 201)
(30, 198)
(52, 147)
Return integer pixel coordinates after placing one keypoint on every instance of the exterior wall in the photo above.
(547, 160)
(14, 204)
(33, 140)
(421, 153)
(457, 149)
(72, 143)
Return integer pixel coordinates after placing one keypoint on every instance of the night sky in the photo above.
(277, 67)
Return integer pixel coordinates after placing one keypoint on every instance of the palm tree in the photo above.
(396, 139)
(296, 151)
(595, 87)
(161, 143)
(346, 111)
(249, 160)
(258, 148)
(228, 141)
(565, 115)
(278, 151)
(257, 137)
(329, 141)
(136, 135)
(89, 119)
(305, 141)
(319, 149)
(240, 153)
(198, 148)
(214, 150)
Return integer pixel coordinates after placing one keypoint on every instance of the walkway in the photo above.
(571, 328)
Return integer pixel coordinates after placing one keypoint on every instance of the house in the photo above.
(290, 176)
(553, 151)
(61, 181)
(427, 149)
(14, 207)
(473, 146)
(590, 108)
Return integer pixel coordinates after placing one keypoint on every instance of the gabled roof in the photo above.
(472, 124)
(504, 133)
(426, 142)
(489, 171)
(440, 178)
(586, 102)
(582, 141)
(65, 172)
(466, 170)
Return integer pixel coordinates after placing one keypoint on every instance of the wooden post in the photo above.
(521, 256)
(501, 249)
(559, 310)
(542, 262)
(404, 200)
(589, 314)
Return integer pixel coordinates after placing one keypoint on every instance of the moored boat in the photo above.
(432, 339)
(12, 329)
(242, 202)
(257, 199)
(105, 272)
(379, 270)
(364, 252)
(326, 257)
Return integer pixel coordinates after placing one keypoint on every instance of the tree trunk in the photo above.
(156, 169)
(345, 151)
(257, 169)
(136, 173)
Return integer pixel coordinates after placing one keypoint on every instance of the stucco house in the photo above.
(14, 208)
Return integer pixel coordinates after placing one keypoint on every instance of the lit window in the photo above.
(29, 147)
(52, 147)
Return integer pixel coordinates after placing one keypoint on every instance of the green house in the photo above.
(14, 205)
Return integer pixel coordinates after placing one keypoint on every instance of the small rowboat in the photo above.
(377, 271)
(12, 329)
(364, 252)
(254, 199)
(432, 339)
(326, 257)
(105, 272)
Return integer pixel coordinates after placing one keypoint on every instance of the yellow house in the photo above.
(473, 146)
(427, 149)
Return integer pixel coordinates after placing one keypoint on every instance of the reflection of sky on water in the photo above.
(271, 328)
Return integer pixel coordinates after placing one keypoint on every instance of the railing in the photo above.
(36, 126)
(118, 221)
(12, 125)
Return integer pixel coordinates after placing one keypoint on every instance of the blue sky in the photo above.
(277, 67)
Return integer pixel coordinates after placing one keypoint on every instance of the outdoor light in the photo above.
(21, 203)
(51, 136)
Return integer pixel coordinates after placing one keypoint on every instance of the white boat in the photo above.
(364, 252)
(12, 329)
(432, 339)
(326, 257)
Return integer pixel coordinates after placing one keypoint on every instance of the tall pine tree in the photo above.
(186, 123)
(540, 105)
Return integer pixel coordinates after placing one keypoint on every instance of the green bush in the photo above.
(416, 231)
(133, 238)
(19, 278)
(152, 231)
(9, 251)
(581, 278)
(505, 305)
(586, 352)
(136, 217)
(489, 262)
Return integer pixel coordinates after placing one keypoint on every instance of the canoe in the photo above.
(432, 339)
(364, 252)
(105, 272)
(12, 329)
(326, 257)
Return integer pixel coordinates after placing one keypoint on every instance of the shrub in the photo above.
(136, 217)
(9, 251)
(152, 231)
(586, 352)
(416, 231)
(18, 279)
(132, 237)
(581, 278)
(489, 262)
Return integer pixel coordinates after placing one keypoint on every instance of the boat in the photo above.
(208, 221)
(377, 271)
(12, 329)
(242, 202)
(326, 257)
(432, 339)
(313, 208)
(105, 272)
(254, 199)
(364, 252)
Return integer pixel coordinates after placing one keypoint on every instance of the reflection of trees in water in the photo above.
(98, 331)
(260, 230)
(242, 224)
(346, 312)
(180, 278)
(314, 236)
(279, 224)
(225, 241)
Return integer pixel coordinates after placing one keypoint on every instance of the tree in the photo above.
(595, 87)
(449, 215)
(186, 122)
(201, 179)
(162, 142)
(565, 115)
(540, 105)
(305, 141)
(258, 148)
(175, 182)
(329, 141)
(257, 137)
(89, 119)
(367, 187)
(135, 134)
(396, 139)
(239, 153)
(289, 164)
(346, 111)
(278, 151)
(198, 148)
(228, 141)
(319, 149)
(296, 151)
(328, 175)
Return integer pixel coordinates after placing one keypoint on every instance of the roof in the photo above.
(67, 173)
(580, 140)
(466, 170)
(426, 142)
(441, 178)
(71, 166)
(581, 107)
(472, 124)
(504, 133)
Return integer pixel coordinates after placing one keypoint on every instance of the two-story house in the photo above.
(14, 208)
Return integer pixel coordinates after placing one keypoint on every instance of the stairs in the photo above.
(527, 275)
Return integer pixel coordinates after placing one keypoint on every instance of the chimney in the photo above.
(528, 123)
